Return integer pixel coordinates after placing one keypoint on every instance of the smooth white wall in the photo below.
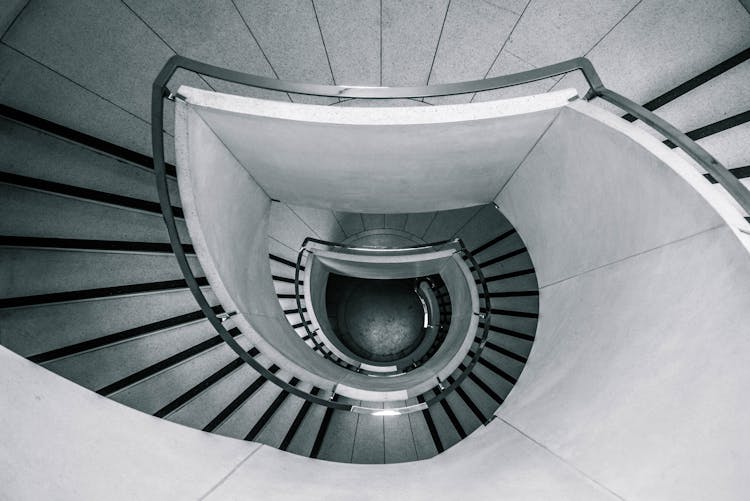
(638, 373)
(378, 160)
(227, 215)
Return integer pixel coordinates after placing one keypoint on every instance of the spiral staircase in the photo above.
(92, 292)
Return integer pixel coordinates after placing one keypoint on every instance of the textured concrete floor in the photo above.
(380, 320)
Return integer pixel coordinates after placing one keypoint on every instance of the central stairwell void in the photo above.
(503, 289)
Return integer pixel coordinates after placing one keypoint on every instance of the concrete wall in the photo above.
(377, 160)
(635, 387)
(60, 441)
(637, 373)
(227, 215)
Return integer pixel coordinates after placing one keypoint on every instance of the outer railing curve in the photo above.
(597, 89)
(319, 345)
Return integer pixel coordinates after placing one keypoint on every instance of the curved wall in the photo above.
(635, 388)
(232, 163)
(417, 158)
(636, 376)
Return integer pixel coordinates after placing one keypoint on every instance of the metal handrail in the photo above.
(160, 91)
(298, 268)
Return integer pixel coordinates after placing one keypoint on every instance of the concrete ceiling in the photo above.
(89, 64)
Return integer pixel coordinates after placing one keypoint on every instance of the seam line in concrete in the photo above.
(601, 39)
(505, 9)
(346, 235)
(162, 40)
(323, 40)
(230, 473)
(257, 43)
(479, 209)
(427, 228)
(244, 168)
(561, 459)
(20, 11)
(437, 45)
(526, 156)
(381, 43)
(354, 437)
(295, 251)
(510, 33)
(637, 254)
(303, 221)
(79, 85)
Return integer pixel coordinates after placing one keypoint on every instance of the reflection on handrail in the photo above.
(160, 91)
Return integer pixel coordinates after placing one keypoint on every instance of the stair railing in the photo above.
(320, 345)
(160, 91)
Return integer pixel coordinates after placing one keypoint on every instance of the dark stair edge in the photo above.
(90, 244)
(268, 414)
(468, 401)
(297, 421)
(714, 128)
(484, 386)
(97, 293)
(238, 401)
(196, 390)
(693, 83)
(279, 259)
(452, 418)
(494, 241)
(508, 332)
(738, 172)
(431, 426)
(87, 140)
(119, 337)
(163, 365)
(322, 430)
(85, 193)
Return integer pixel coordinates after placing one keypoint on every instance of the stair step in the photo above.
(447, 223)
(206, 409)
(520, 347)
(395, 221)
(41, 214)
(124, 359)
(495, 382)
(39, 329)
(486, 223)
(284, 269)
(399, 439)
(486, 403)
(502, 361)
(518, 280)
(373, 221)
(246, 415)
(303, 438)
(31, 272)
(463, 412)
(423, 440)
(351, 223)
(155, 393)
(444, 427)
(33, 153)
(369, 439)
(338, 443)
(276, 429)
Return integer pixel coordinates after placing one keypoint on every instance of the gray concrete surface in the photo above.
(413, 161)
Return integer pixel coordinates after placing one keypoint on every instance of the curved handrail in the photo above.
(159, 91)
(320, 346)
